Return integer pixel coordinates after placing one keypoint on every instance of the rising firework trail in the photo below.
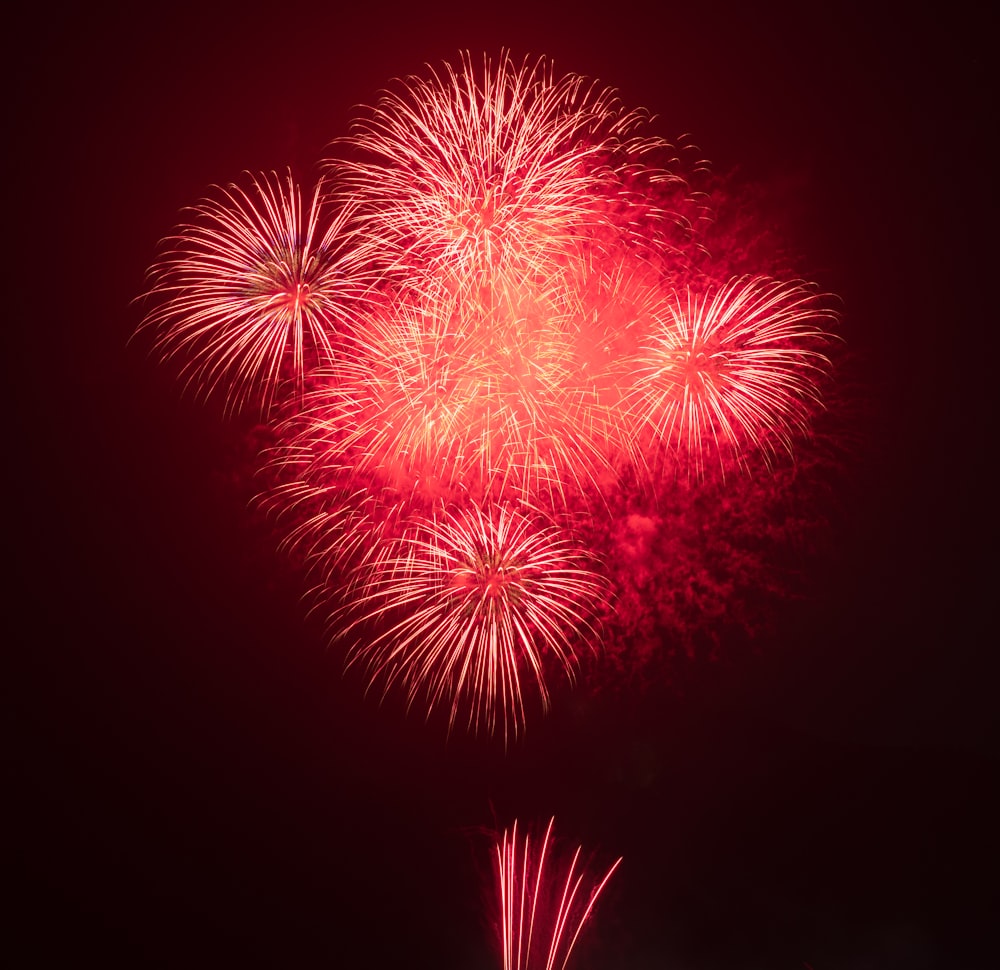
(544, 900)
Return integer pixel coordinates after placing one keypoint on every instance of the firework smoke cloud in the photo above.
(491, 323)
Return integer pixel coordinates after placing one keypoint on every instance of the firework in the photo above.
(252, 290)
(544, 901)
(473, 607)
(488, 175)
(494, 301)
(731, 371)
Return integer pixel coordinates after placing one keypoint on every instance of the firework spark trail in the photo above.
(253, 288)
(732, 371)
(334, 531)
(470, 605)
(544, 902)
(489, 175)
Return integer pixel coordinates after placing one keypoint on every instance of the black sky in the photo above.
(201, 784)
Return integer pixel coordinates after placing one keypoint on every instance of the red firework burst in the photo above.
(487, 175)
(544, 901)
(468, 607)
(252, 290)
(732, 371)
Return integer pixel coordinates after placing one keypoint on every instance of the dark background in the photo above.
(202, 786)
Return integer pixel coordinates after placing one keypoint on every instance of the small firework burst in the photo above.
(470, 608)
(732, 371)
(544, 900)
(251, 291)
(491, 174)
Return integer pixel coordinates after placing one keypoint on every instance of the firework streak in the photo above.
(544, 901)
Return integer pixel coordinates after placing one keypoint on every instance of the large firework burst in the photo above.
(487, 175)
(470, 605)
(250, 292)
(544, 900)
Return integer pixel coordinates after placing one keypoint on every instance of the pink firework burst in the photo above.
(731, 371)
(469, 608)
(252, 290)
(487, 174)
(544, 900)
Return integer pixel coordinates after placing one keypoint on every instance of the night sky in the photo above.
(203, 786)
